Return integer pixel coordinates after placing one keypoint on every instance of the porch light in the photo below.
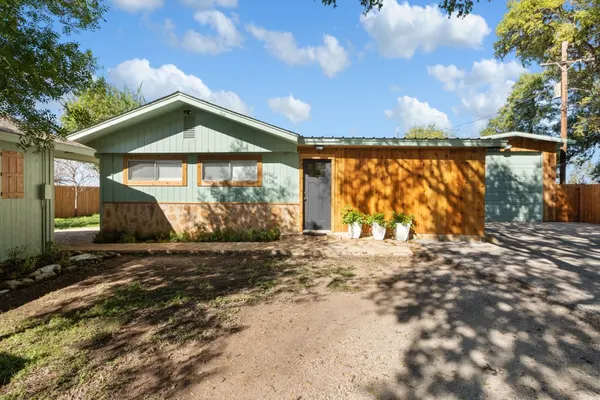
(319, 148)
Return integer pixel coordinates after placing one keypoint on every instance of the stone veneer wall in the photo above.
(148, 218)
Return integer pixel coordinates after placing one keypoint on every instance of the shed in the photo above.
(27, 190)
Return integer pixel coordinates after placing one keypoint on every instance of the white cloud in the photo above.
(138, 5)
(330, 56)
(293, 109)
(161, 81)
(401, 29)
(411, 112)
(448, 75)
(226, 36)
(210, 3)
(481, 90)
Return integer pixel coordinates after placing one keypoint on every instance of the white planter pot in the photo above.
(378, 231)
(354, 230)
(401, 232)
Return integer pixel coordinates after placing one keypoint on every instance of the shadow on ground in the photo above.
(142, 329)
(482, 336)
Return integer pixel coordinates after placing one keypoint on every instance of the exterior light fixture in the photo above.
(319, 148)
(508, 147)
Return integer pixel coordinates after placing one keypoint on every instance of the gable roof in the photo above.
(534, 136)
(66, 149)
(169, 103)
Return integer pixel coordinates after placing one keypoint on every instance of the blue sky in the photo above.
(349, 75)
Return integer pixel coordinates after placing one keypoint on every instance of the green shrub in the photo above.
(202, 234)
(402, 219)
(350, 216)
(20, 263)
(378, 218)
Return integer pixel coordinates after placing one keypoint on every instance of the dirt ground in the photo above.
(218, 327)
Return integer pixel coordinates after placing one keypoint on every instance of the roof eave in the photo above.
(526, 135)
(401, 142)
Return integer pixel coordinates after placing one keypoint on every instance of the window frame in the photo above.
(230, 157)
(155, 157)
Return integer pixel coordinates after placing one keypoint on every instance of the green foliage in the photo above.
(98, 102)
(77, 222)
(368, 5)
(528, 108)
(534, 31)
(20, 262)
(40, 63)
(425, 132)
(402, 219)
(350, 216)
(378, 218)
(460, 8)
(201, 234)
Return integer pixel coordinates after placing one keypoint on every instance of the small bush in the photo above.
(350, 216)
(379, 218)
(402, 219)
(202, 234)
(20, 263)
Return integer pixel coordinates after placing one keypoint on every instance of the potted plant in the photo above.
(401, 224)
(378, 225)
(354, 220)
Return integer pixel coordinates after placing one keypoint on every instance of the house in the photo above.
(27, 190)
(180, 162)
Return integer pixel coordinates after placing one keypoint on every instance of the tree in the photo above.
(425, 132)
(460, 7)
(534, 31)
(98, 102)
(528, 108)
(38, 64)
(82, 177)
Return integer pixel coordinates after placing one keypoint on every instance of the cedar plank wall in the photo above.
(549, 151)
(443, 187)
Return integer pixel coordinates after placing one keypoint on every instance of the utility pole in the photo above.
(564, 67)
(563, 110)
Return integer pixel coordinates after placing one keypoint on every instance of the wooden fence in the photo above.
(578, 203)
(64, 201)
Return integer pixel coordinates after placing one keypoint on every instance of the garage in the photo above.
(514, 187)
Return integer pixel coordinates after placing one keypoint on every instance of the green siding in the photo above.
(514, 190)
(280, 184)
(214, 134)
(28, 221)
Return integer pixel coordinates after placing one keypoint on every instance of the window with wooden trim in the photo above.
(238, 170)
(155, 171)
(12, 175)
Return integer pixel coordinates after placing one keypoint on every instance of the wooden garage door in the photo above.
(514, 191)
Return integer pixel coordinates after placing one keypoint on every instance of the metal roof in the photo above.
(526, 135)
(66, 149)
(374, 141)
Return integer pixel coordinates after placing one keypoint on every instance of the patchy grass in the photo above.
(151, 315)
(77, 222)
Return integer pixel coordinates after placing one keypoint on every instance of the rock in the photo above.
(53, 267)
(83, 257)
(34, 274)
(71, 268)
(27, 281)
(4, 291)
(45, 275)
(12, 284)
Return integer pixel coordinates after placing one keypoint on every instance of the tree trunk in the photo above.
(76, 201)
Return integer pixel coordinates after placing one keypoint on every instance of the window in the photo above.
(153, 171)
(12, 175)
(235, 171)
